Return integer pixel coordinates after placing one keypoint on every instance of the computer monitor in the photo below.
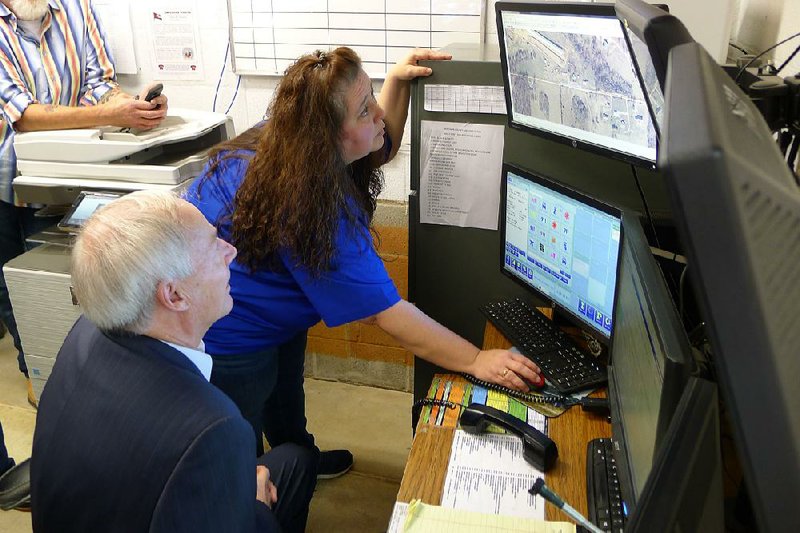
(655, 29)
(561, 245)
(651, 360)
(651, 32)
(737, 209)
(568, 76)
(684, 490)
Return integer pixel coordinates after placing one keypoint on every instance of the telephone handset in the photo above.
(538, 449)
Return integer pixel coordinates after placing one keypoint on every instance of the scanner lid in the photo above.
(109, 143)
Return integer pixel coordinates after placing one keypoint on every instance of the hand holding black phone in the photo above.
(153, 92)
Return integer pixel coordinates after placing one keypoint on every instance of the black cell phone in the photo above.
(154, 91)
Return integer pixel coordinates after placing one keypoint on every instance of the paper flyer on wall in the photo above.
(176, 51)
(460, 167)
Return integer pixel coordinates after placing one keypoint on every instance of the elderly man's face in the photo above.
(208, 288)
(27, 9)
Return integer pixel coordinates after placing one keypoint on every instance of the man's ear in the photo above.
(170, 296)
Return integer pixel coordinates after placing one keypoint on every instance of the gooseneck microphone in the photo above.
(541, 489)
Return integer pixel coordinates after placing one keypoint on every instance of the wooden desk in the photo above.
(426, 468)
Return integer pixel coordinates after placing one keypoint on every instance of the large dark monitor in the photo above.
(651, 360)
(684, 491)
(651, 32)
(737, 208)
(561, 245)
(568, 76)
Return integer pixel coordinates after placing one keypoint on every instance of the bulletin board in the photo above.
(266, 36)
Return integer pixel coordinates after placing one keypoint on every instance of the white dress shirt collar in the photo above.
(198, 356)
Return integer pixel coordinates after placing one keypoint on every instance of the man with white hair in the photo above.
(55, 68)
(130, 435)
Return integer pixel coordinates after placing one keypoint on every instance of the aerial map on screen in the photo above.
(573, 75)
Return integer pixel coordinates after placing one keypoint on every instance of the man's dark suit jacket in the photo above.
(131, 437)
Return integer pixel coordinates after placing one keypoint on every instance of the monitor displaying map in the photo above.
(569, 76)
(651, 33)
(648, 78)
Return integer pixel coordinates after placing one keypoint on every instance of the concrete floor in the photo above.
(375, 424)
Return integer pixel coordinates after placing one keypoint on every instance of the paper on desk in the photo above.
(487, 473)
(423, 518)
(398, 519)
(460, 168)
(465, 99)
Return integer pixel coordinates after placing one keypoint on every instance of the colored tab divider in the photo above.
(461, 392)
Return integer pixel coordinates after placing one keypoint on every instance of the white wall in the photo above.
(763, 23)
(709, 22)
(211, 17)
(790, 24)
(255, 92)
(755, 23)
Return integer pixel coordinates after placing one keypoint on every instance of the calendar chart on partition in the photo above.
(266, 36)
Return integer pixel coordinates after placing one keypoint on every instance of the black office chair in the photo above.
(15, 487)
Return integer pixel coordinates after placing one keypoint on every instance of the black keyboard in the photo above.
(606, 509)
(566, 367)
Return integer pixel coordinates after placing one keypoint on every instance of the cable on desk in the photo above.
(419, 404)
(533, 397)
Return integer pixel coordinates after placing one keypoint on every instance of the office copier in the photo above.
(54, 168)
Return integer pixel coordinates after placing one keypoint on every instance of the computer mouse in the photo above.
(535, 385)
(532, 385)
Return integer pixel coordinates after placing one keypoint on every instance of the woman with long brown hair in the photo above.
(296, 195)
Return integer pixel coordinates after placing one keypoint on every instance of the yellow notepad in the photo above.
(424, 518)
